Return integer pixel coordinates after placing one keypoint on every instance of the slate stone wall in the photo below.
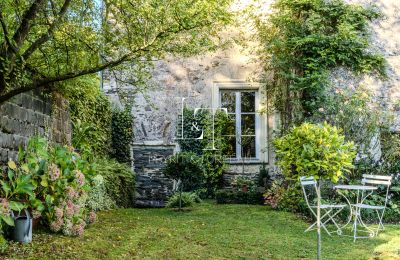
(30, 114)
(152, 187)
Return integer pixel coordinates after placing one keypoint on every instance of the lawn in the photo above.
(208, 231)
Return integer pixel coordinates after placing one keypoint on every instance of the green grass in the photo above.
(208, 231)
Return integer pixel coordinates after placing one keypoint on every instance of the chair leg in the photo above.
(322, 223)
(380, 224)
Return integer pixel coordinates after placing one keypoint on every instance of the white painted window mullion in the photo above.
(238, 125)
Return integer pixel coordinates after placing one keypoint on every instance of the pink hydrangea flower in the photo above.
(4, 207)
(92, 217)
(77, 209)
(69, 209)
(80, 178)
(54, 172)
(56, 225)
(67, 228)
(58, 213)
(78, 228)
(71, 193)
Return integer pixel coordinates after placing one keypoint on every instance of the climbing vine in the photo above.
(90, 113)
(121, 135)
(302, 40)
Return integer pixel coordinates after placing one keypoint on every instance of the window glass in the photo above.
(247, 100)
(230, 125)
(248, 146)
(228, 101)
(248, 124)
(230, 142)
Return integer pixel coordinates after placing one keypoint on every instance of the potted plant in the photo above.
(317, 150)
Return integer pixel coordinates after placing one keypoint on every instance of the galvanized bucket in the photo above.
(23, 228)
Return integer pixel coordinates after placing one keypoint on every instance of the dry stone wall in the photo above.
(30, 114)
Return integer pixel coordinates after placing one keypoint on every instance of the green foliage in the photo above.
(187, 168)
(188, 200)
(98, 198)
(90, 112)
(3, 245)
(302, 40)
(238, 197)
(213, 160)
(52, 181)
(67, 39)
(286, 196)
(264, 178)
(121, 135)
(314, 150)
(119, 181)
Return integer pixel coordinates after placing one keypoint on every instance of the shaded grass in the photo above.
(209, 231)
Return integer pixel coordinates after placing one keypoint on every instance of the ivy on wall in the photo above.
(302, 40)
(90, 113)
(122, 134)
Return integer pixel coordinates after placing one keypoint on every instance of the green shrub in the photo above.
(188, 199)
(314, 150)
(121, 135)
(119, 181)
(3, 245)
(98, 198)
(286, 196)
(238, 197)
(213, 161)
(90, 112)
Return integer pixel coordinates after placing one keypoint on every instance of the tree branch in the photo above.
(45, 37)
(23, 30)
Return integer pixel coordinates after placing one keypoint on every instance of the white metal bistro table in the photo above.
(355, 212)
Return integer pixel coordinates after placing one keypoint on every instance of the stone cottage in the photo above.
(230, 78)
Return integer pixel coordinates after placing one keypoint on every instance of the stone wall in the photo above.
(152, 187)
(30, 114)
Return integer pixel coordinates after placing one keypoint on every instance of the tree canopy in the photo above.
(45, 42)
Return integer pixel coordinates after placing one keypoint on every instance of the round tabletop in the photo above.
(355, 187)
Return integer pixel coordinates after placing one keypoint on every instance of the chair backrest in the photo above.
(375, 180)
(307, 181)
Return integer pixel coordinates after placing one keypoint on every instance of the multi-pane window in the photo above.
(240, 134)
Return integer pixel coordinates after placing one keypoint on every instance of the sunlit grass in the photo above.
(208, 231)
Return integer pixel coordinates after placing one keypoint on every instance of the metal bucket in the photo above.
(23, 228)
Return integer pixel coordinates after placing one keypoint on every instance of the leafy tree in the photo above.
(314, 150)
(45, 42)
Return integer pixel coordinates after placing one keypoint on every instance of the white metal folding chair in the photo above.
(376, 180)
(328, 211)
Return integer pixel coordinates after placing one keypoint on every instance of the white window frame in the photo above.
(260, 119)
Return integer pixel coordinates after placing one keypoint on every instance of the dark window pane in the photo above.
(229, 126)
(230, 148)
(248, 100)
(248, 124)
(248, 146)
(228, 100)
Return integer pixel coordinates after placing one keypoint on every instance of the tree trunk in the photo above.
(180, 196)
(319, 220)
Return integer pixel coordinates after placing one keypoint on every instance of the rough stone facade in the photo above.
(152, 187)
(30, 114)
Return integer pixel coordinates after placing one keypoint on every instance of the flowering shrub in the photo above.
(62, 180)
